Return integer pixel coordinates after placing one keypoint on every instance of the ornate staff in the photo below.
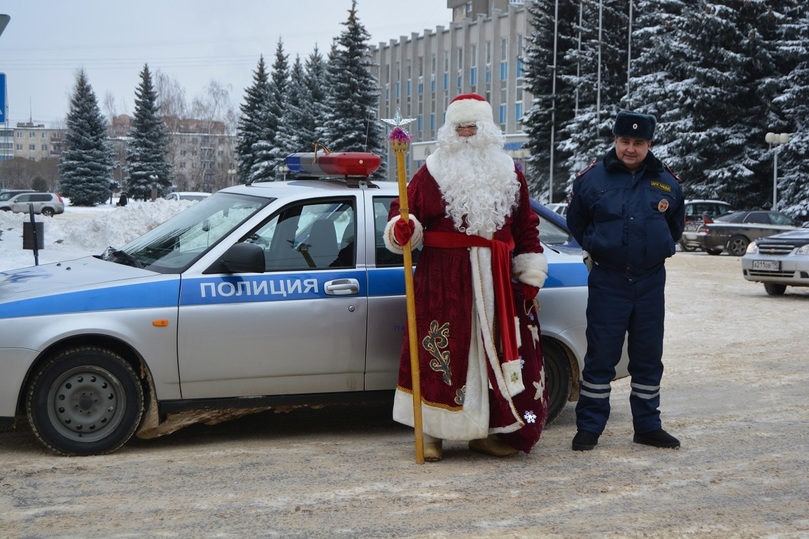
(400, 142)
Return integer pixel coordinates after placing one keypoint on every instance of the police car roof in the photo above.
(328, 186)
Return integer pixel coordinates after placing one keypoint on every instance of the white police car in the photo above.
(260, 295)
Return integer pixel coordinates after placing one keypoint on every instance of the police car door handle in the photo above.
(342, 287)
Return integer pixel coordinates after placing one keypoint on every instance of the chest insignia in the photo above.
(663, 205)
(662, 186)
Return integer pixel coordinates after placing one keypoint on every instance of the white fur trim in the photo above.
(467, 111)
(512, 373)
(390, 241)
(531, 268)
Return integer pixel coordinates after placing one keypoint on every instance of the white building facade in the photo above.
(479, 52)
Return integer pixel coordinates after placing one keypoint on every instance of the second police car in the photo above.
(264, 295)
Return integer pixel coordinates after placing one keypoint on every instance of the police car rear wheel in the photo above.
(85, 401)
(557, 376)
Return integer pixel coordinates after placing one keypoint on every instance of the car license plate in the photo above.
(769, 265)
(693, 226)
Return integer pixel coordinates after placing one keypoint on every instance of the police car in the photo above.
(262, 295)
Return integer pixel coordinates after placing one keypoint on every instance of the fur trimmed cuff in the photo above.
(512, 374)
(531, 268)
(390, 241)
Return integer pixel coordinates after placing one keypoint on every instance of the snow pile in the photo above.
(82, 231)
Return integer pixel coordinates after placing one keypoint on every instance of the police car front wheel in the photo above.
(85, 401)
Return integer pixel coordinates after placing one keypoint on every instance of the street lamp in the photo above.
(774, 139)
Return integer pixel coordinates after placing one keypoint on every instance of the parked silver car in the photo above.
(778, 261)
(264, 295)
(47, 204)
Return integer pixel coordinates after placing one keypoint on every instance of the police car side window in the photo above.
(316, 235)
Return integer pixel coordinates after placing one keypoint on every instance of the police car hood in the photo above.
(58, 280)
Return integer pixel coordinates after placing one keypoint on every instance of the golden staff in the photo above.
(400, 142)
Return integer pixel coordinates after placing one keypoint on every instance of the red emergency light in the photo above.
(346, 164)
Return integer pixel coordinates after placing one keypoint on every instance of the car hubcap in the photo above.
(85, 403)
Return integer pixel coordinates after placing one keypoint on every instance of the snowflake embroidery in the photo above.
(530, 417)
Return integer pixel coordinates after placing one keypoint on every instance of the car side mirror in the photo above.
(244, 258)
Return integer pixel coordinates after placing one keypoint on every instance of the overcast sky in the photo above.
(192, 41)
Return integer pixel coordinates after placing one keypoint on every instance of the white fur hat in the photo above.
(468, 109)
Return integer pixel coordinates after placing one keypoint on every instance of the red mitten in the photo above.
(529, 292)
(403, 231)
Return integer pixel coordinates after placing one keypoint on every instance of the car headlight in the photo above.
(752, 248)
(804, 250)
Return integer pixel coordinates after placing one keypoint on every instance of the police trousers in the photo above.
(622, 306)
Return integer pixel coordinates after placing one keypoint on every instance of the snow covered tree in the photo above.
(790, 107)
(660, 81)
(85, 166)
(148, 142)
(296, 133)
(318, 85)
(251, 124)
(351, 123)
(279, 83)
(599, 82)
(554, 104)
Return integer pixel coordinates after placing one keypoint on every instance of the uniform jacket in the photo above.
(628, 221)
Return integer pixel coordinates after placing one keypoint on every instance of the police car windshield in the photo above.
(176, 244)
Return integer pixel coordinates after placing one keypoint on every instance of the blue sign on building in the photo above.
(2, 98)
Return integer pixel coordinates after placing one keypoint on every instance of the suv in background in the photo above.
(7, 194)
(48, 204)
(695, 212)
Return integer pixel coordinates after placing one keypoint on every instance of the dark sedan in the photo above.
(733, 232)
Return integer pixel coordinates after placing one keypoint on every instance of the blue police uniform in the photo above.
(629, 222)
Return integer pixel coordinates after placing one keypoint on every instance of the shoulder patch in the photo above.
(586, 170)
(676, 177)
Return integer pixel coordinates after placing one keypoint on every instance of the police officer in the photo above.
(627, 213)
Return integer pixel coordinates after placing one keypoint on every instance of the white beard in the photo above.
(476, 177)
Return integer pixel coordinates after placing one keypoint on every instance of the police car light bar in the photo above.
(348, 164)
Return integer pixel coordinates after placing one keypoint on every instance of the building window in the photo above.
(503, 70)
(44, 147)
(32, 147)
(503, 112)
(32, 135)
(518, 112)
(473, 76)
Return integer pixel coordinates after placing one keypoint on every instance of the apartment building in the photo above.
(36, 142)
(479, 51)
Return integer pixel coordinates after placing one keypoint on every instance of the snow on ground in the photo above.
(82, 231)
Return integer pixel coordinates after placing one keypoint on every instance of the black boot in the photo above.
(657, 438)
(585, 441)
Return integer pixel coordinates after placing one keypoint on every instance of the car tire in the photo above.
(48, 212)
(737, 245)
(685, 247)
(85, 401)
(557, 376)
(775, 289)
(713, 251)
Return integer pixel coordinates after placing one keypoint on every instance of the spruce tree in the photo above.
(85, 166)
(317, 83)
(148, 144)
(600, 83)
(351, 124)
(252, 120)
(296, 133)
(552, 107)
(279, 83)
